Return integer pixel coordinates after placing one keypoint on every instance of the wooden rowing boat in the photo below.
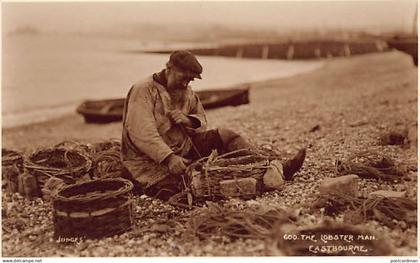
(110, 110)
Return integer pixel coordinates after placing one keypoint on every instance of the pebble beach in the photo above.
(336, 110)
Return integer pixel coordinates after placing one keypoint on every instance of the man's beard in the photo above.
(181, 86)
(177, 86)
(178, 95)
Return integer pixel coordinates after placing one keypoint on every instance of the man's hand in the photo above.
(176, 164)
(180, 118)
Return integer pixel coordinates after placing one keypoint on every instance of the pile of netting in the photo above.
(370, 164)
(358, 210)
(256, 223)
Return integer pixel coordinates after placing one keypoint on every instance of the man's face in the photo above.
(177, 79)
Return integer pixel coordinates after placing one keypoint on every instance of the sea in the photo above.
(47, 76)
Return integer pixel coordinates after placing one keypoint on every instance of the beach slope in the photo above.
(334, 111)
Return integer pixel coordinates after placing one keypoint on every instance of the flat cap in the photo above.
(187, 62)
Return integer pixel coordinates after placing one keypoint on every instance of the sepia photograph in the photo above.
(209, 129)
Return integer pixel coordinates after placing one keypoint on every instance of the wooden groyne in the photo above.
(292, 50)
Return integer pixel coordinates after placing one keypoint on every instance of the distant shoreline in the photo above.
(72, 126)
(44, 115)
(67, 71)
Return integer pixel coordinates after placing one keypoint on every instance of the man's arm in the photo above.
(197, 116)
(195, 121)
(141, 126)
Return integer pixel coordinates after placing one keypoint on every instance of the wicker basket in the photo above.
(93, 209)
(332, 239)
(227, 175)
(12, 166)
(65, 163)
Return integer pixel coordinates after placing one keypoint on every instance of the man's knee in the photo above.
(227, 135)
(166, 188)
(137, 187)
(232, 141)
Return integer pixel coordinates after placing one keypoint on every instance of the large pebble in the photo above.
(347, 184)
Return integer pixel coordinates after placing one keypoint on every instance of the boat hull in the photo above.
(406, 45)
(111, 110)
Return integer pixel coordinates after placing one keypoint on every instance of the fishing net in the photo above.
(370, 164)
(256, 223)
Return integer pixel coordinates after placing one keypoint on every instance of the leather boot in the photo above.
(291, 166)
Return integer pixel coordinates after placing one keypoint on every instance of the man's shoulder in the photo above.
(191, 92)
(143, 83)
(146, 85)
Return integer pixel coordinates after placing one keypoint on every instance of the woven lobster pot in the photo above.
(236, 174)
(85, 148)
(113, 144)
(68, 164)
(9, 157)
(93, 209)
(332, 239)
(12, 166)
(107, 164)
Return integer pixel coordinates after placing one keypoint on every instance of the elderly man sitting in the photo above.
(164, 128)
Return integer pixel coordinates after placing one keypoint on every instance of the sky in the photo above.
(275, 15)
